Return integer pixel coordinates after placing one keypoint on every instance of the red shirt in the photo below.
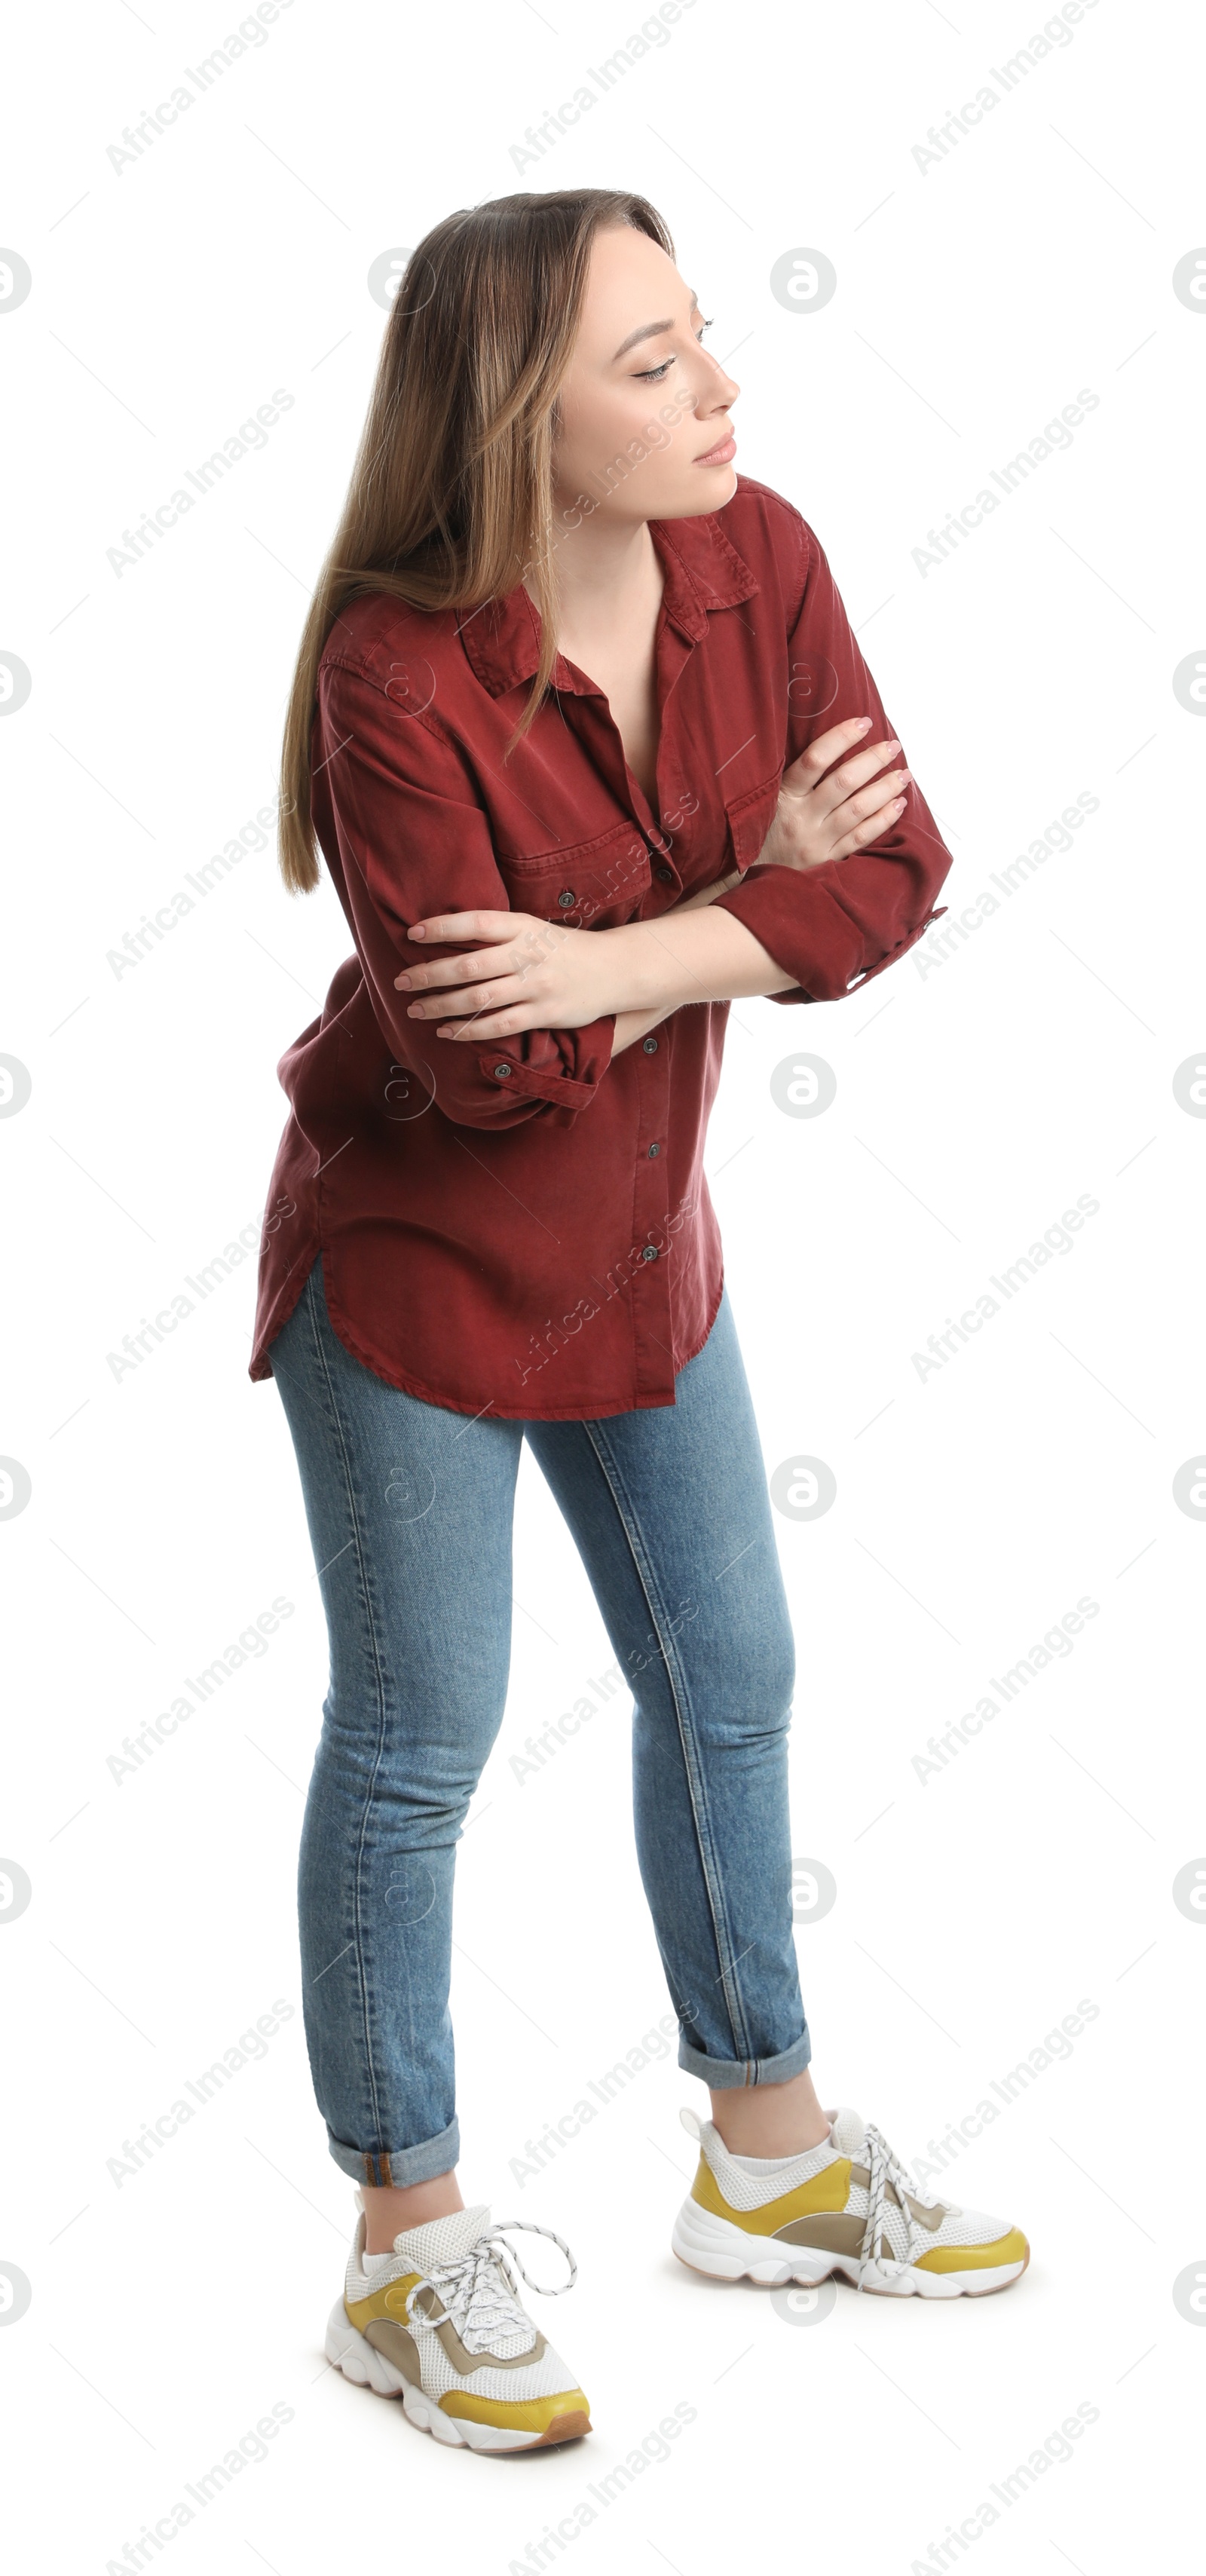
(523, 1227)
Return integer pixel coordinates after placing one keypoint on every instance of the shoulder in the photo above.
(384, 660)
(375, 636)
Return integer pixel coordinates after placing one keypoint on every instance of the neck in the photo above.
(604, 566)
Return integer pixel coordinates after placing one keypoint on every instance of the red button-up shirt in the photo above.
(522, 1227)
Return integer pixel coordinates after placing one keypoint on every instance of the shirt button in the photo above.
(650, 1046)
(567, 900)
(501, 1072)
(665, 876)
(650, 1252)
(653, 1151)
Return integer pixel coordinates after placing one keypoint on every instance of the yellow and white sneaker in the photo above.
(439, 2323)
(847, 2206)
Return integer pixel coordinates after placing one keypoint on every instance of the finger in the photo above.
(463, 925)
(842, 789)
(827, 747)
(466, 999)
(871, 800)
(497, 1024)
(850, 774)
(820, 754)
(464, 969)
(871, 830)
(805, 773)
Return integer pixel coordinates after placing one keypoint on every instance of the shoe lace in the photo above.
(479, 2291)
(887, 2169)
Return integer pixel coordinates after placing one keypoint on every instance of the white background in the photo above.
(975, 1102)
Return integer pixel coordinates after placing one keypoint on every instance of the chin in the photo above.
(715, 488)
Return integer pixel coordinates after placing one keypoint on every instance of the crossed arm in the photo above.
(532, 974)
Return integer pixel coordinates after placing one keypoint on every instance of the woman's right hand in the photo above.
(826, 812)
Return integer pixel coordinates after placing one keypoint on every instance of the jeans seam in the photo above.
(357, 1906)
(696, 1790)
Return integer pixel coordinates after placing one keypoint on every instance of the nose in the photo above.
(725, 389)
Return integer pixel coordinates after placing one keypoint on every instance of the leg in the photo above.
(409, 1508)
(670, 1512)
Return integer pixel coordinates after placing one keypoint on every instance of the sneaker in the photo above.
(848, 2206)
(439, 2323)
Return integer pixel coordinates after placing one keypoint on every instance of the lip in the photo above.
(720, 454)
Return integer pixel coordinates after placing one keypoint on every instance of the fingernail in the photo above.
(418, 932)
(401, 983)
(865, 724)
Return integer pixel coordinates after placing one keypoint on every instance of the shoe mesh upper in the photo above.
(744, 2190)
(970, 2227)
(445, 2241)
(775, 2176)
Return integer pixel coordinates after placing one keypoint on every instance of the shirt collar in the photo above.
(703, 571)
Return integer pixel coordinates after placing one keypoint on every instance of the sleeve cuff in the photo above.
(543, 1074)
(809, 933)
(802, 925)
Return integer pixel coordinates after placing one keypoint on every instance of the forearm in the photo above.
(631, 1025)
(534, 974)
(691, 954)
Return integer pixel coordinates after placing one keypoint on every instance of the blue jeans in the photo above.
(410, 1509)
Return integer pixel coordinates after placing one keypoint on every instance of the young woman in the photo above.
(590, 751)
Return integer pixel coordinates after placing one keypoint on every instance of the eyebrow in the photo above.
(650, 330)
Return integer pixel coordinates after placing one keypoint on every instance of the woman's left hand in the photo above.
(523, 973)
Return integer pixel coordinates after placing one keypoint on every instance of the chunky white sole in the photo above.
(713, 2245)
(360, 2362)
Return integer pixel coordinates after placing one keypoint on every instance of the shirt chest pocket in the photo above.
(750, 817)
(588, 885)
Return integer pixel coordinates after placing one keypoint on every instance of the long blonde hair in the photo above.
(450, 502)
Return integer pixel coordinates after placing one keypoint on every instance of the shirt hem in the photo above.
(259, 1365)
(405, 1385)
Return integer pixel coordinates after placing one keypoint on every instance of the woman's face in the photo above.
(644, 407)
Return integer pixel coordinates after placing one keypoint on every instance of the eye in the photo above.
(654, 375)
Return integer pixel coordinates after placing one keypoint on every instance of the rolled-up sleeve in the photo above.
(835, 926)
(409, 841)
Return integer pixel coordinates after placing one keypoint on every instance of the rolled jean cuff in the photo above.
(402, 2165)
(723, 2074)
